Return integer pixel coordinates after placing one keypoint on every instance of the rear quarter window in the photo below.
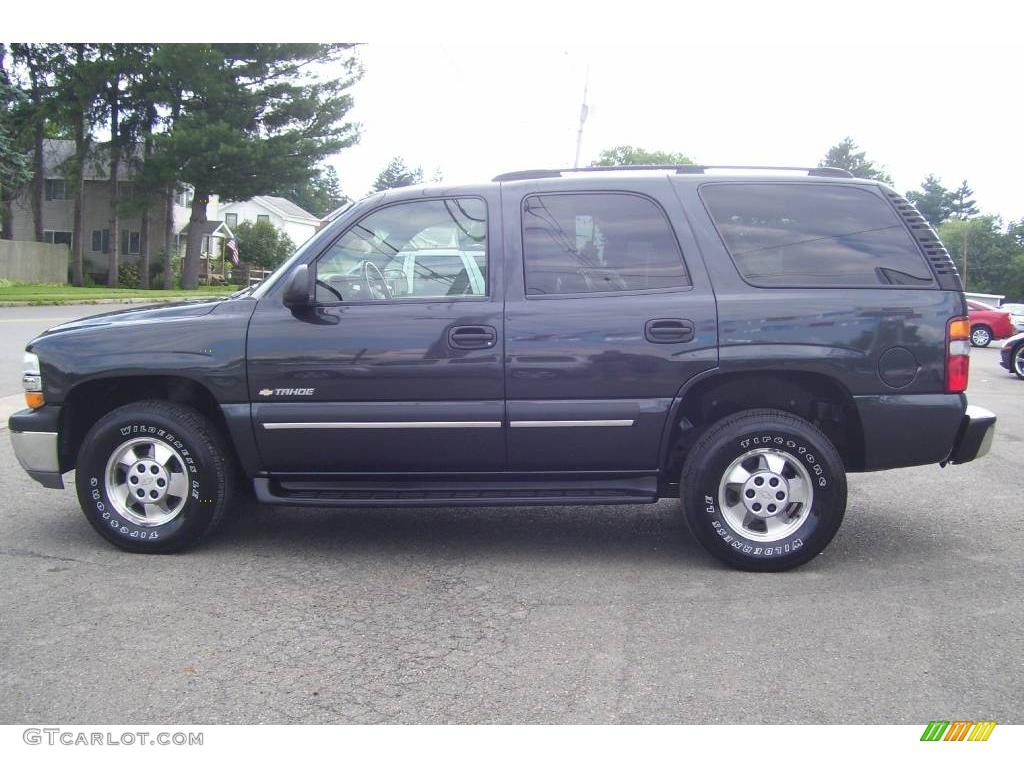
(814, 235)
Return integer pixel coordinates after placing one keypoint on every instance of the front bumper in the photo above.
(37, 444)
(974, 439)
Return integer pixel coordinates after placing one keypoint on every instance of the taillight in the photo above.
(958, 354)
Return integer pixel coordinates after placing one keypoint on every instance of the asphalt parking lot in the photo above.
(553, 615)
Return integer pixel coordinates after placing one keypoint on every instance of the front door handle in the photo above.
(472, 337)
(669, 330)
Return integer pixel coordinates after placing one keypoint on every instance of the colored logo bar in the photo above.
(958, 730)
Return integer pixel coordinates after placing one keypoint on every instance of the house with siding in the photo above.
(58, 215)
(58, 210)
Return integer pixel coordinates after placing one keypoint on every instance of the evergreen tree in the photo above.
(397, 174)
(848, 156)
(15, 159)
(962, 205)
(252, 118)
(319, 194)
(934, 201)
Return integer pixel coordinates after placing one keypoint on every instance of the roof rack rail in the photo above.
(552, 173)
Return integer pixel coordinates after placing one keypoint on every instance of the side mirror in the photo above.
(299, 292)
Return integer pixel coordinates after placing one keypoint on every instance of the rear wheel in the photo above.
(763, 490)
(153, 477)
(981, 335)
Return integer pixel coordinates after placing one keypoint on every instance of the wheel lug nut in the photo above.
(780, 495)
(750, 493)
(771, 507)
(773, 482)
(757, 507)
(758, 481)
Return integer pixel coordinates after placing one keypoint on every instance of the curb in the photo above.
(86, 302)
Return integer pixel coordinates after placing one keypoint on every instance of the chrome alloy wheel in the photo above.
(980, 337)
(765, 494)
(147, 482)
(1018, 361)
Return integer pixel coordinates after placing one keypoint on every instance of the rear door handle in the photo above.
(669, 330)
(472, 337)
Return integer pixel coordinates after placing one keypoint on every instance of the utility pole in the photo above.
(584, 110)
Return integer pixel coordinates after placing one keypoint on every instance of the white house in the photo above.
(285, 215)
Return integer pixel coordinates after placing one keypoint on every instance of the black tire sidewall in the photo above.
(708, 523)
(105, 437)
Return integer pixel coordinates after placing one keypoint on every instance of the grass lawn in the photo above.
(66, 294)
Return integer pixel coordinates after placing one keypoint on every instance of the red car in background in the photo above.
(988, 323)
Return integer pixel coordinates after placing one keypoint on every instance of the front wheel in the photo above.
(763, 490)
(1017, 361)
(981, 336)
(153, 477)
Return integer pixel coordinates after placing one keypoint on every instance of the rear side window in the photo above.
(598, 243)
(814, 235)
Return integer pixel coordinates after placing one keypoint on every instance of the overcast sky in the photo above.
(945, 100)
(924, 86)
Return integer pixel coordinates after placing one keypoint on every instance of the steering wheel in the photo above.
(382, 284)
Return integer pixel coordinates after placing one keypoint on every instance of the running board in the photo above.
(446, 493)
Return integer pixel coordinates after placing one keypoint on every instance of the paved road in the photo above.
(19, 325)
(528, 615)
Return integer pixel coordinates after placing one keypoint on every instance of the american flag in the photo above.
(233, 247)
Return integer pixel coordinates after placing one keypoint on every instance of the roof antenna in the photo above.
(584, 111)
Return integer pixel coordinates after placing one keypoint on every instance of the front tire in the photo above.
(1017, 361)
(981, 335)
(153, 477)
(763, 490)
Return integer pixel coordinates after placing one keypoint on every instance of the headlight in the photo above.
(32, 381)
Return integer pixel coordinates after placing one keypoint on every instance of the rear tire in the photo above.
(763, 490)
(153, 477)
(981, 335)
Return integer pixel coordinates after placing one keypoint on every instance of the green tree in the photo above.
(15, 159)
(934, 201)
(995, 257)
(251, 117)
(962, 205)
(625, 154)
(80, 81)
(319, 194)
(262, 244)
(848, 156)
(37, 62)
(397, 174)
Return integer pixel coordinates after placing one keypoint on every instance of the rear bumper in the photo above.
(37, 444)
(974, 440)
(912, 430)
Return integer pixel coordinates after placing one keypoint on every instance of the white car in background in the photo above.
(1016, 315)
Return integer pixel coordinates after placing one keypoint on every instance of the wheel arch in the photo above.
(815, 397)
(90, 400)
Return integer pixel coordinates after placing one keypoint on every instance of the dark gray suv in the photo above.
(739, 339)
